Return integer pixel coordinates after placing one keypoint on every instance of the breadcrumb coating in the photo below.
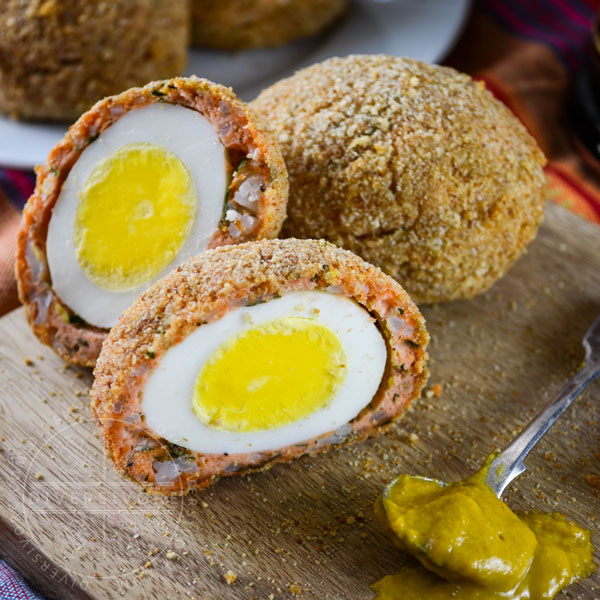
(239, 24)
(58, 57)
(247, 141)
(203, 290)
(415, 167)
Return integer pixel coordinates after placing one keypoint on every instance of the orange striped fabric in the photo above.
(533, 78)
(9, 222)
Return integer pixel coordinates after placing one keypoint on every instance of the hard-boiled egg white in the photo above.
(267, 376)
(144, 196)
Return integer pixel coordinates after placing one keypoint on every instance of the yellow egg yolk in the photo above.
(135, 212)
(270, 376)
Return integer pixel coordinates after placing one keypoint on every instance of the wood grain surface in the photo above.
(306, 530)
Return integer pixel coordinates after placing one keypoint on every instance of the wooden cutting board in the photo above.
(76, 530)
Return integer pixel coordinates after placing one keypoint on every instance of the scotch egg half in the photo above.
(252, 354)
(142, 181)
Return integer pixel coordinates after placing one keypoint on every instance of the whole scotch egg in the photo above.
(253, 354)
(141, 182)
(415, 167)
(227, 25)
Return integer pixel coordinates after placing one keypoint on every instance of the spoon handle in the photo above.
(508, 464)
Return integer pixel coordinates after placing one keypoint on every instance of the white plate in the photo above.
(422, 29)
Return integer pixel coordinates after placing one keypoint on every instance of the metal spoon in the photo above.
(508, 464)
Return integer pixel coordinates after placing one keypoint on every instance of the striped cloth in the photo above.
(562, 25)
(9, 221)
(17, 185)
(12, 587)
(528, 52)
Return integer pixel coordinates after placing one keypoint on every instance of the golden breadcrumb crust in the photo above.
(415, 167)
(203, 290)
(241, 131)
(58, 57)
(239, 24)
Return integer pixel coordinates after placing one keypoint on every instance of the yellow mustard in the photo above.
(474, 547)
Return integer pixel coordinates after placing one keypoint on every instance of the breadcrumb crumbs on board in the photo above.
(415, 167)
(230, 577)
(295, 589)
